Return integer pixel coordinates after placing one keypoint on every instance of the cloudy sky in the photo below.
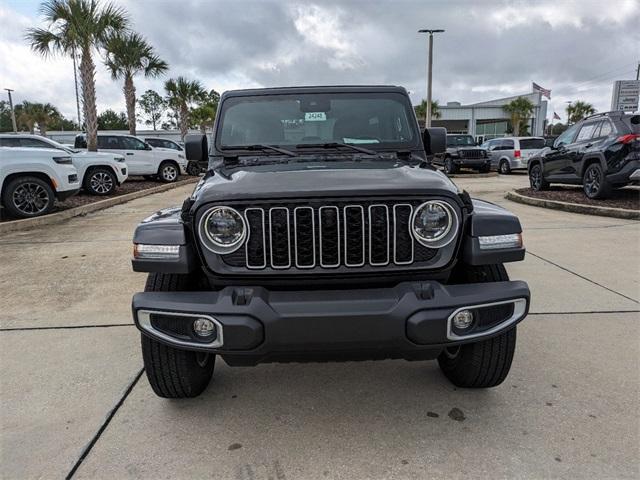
(490, 49)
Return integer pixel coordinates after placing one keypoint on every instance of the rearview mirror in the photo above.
(196, 148)
(434, 140)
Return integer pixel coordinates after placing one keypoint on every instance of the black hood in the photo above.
(301, 180)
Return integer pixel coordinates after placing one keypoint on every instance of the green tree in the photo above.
(421, 110)
(30, 114)
(153, 106)
(5, 117)
(182, 94)
(128, 54)
(110, 120)
(204, 114)
(578, 110)
(79, 27)
(520, 110)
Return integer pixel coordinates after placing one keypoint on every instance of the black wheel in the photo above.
(100, 181)
(26, 197)
(174, 373)
(193, 169)
(594, 183)
(536, 180)
(504, 168)
(485, 363)
(168, 172)
(449, 167)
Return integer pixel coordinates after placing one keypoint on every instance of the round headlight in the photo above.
(224, 229)
(434, 223)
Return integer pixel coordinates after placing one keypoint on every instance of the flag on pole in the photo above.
(556, 116)
(543, 91)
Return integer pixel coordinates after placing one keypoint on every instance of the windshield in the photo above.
(377, 120)
(61, 147)
(532, 143)
(460, 140)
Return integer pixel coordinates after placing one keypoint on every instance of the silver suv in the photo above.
(512, 153)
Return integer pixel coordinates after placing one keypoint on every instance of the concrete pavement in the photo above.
(71, 360)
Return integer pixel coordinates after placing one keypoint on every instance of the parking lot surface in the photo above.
(75, 399)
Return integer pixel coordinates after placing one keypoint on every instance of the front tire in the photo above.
(100, 181)
(504, 168)
(486, 363)
(168, 172)
(449, 167)
(27, 197)
(174, 373)
(536, 179)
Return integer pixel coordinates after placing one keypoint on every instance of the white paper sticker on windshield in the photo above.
(315, 117)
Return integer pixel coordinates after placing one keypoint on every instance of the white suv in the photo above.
(141, 157)
(99, 173)
(31, 179)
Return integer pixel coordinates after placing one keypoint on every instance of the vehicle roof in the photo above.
(159, 138)
(459, 135)
(316, 89)
(518, 138)
(50, 151)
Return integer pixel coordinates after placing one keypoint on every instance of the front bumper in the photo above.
(471, 162)
(411, 320)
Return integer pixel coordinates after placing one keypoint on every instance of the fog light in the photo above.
(463, 319)
(203, 327)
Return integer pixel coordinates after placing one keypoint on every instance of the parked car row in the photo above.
(35, 170)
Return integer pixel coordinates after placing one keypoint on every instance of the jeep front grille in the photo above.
(471, 153)
(340, 235)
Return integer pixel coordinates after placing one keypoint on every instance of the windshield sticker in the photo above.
(315, 117)
(360, 140)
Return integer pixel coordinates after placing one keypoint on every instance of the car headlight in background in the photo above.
(222, 230)
(434, 224)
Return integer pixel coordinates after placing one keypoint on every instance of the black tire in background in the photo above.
(594, 182)
(485, 363)
(193, 169)
(504, 168)
(100, 181)
(485, 169)
(536, 179)
(449, 166)
(174, 373)
(28, 197)
(168, 172)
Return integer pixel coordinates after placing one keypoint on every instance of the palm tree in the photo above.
(520, 110)
(576, 111)
(181, 93)
(79, 26)
(421, 110)
(127, 55)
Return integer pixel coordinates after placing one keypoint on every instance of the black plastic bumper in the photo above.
(411, 320)
(627, 174)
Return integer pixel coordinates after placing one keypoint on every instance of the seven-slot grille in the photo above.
(472, 153)
(329, 236)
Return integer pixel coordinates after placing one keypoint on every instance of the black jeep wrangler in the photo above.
(462, 152)
(321, 232)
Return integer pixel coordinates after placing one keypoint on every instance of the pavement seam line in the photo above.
(583, 277)
(65, 327)
(104, 425)
(592, 312)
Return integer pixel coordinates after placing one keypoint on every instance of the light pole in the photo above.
(13, 114)
(568, 102)
(427, 120)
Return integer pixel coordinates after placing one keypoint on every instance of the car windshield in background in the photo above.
(532, 143)
(377, 120)
(460, 141)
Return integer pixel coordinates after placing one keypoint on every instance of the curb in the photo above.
(574, 207)
(52, 218)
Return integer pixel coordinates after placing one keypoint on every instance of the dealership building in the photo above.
(488, 119)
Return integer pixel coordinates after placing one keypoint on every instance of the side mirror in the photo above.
(148, 147)
(196, 148)
(434, 140)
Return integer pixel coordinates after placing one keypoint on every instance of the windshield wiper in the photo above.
(337, 145)
(260, 146)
